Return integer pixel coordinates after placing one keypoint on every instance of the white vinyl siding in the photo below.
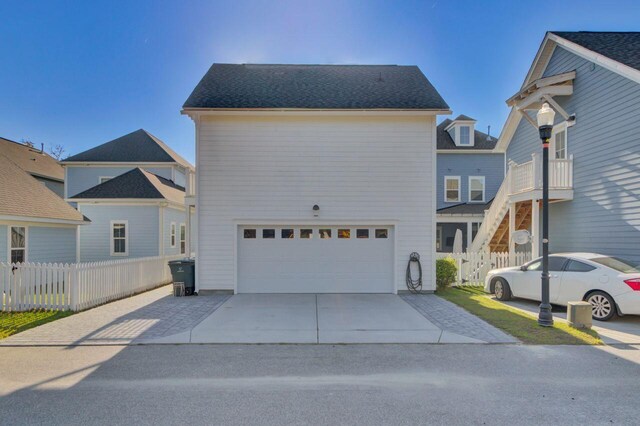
(265, 169)
(451, 189)
(476, 189)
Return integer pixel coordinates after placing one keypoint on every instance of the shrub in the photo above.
(446, 272)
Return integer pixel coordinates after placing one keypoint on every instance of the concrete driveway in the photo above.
(620, 330)
(311, 318)
(156, 317)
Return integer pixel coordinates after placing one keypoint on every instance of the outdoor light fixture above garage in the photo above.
(316, 210)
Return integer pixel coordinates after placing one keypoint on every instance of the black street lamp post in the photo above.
(545, 125)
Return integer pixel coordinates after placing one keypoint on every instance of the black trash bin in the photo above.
(184, 271)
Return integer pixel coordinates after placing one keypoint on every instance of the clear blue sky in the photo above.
(80, 73)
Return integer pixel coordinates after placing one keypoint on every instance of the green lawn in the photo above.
(513, 321)
(15, 322)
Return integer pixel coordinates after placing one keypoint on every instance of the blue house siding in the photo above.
(491, 166)
(604, 215)
(95, 239)
(82, 178)
(48, 244)
(178, 217)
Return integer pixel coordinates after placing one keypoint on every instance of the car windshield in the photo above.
(618, 264)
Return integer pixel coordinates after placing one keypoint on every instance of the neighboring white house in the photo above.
(36, 225)
(314, 178)
(592, 81)
(133, 189)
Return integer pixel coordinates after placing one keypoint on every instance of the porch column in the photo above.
(512, 229)
(469, 234)
(535, 229)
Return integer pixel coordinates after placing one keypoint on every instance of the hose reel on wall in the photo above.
(414, 286)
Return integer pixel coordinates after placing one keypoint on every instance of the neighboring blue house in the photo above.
(592, 81)
(470, 172)
(133, 189)
(36, 225)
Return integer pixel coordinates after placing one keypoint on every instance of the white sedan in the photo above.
(610, 284)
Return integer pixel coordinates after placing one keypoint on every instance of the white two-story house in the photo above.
(314, 178)
(133, 189)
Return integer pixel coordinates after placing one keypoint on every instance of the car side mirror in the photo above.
(523, 268)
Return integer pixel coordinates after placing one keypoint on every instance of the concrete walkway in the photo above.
(156, 317)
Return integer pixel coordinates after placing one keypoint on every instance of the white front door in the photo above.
(315, 259)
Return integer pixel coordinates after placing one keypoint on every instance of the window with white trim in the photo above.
(465, 135)
(119, 238)
(183, 238)
(451, 189)
(560, 145)
(172, 235)
(18, 244)
(476, 189)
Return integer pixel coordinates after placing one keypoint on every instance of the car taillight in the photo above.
(634, 283)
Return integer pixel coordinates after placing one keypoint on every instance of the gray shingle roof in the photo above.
(138, 146)
(135, 184)
(445, 141)
(22, 195)
(463, 117)
(465, 208)
(256, 86)
(31, 160)
(623, 47)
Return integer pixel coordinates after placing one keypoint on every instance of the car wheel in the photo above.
(501, 289)
(603, 308)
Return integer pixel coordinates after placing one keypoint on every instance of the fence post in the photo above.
(74, 285)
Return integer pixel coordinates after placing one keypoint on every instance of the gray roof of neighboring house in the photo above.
(463, 117)
(623, 47)
(135, 184)
(136, 147)
(446, 142)
(32, 160)
(22, 195)
(255, 86)
(465, 208)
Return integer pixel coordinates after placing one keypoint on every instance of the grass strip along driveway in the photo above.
(519, 324)
(15, 322)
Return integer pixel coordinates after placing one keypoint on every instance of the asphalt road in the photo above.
(310, 384)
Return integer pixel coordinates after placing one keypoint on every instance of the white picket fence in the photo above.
(78, 286)
(474, 266)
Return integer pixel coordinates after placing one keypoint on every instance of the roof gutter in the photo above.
(312, 111)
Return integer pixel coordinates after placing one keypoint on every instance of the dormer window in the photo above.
(461, 131)
(465, 138)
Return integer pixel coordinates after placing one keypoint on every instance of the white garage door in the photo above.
(315, 259)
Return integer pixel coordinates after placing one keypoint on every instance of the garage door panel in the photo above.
(315, 265)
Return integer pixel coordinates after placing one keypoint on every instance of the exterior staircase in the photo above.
(522, 186)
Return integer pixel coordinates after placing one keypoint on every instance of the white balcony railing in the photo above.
(528, 176)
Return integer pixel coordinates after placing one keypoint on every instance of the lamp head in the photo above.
(545, 118)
